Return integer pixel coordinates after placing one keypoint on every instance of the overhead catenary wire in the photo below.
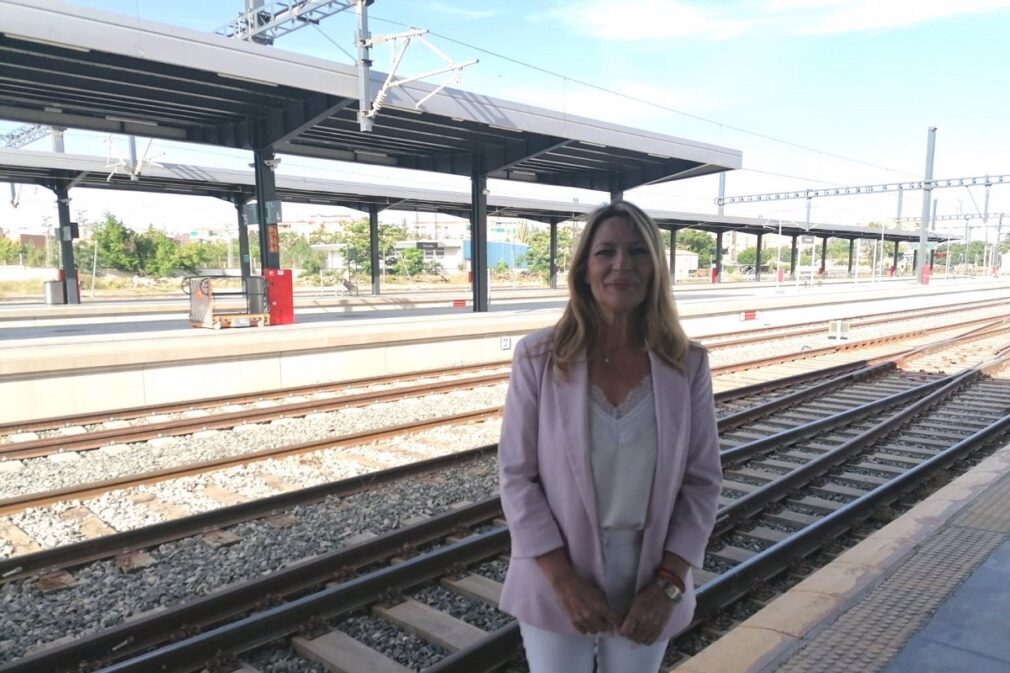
(650, 103)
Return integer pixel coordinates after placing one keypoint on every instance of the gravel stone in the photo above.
(189, 568)
(398, 645)
(42, 473)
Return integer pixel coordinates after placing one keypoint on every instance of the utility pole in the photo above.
(921, 265)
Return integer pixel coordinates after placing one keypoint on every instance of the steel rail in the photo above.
(39, 499)
(746, 450)
(210, 402)
(85, 551)
(854, 345)
(156, 627)
(757, 500)
(491, 652)
(756, 447)
(263, 627)
(92, 440)
(757, 411)
(78, 553)
(739, 580)
(503, 640)
(817, 327)
(247, 398)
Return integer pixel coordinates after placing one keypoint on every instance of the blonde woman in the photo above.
(608, 461)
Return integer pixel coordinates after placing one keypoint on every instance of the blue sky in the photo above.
(857, 79)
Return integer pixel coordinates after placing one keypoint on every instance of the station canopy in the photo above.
(55, 171)
(71, 66)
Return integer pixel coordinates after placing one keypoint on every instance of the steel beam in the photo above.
(553, 283)
(66, 241)
(478, 234)
(373, 248)
(266, 190)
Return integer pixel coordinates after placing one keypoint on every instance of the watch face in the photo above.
(671, 590)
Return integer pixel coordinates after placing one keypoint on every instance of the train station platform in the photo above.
(928, 593)
(96, 363)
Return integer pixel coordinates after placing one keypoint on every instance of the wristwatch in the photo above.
(669, 589)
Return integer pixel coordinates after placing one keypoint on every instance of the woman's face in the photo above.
(619, 268)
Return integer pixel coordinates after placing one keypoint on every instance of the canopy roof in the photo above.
(66, 65)
(67, 170)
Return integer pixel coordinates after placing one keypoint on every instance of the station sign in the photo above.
(251, 216)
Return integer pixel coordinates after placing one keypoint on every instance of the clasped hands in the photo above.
(587, 606)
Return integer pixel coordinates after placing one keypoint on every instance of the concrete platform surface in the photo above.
(928, 593)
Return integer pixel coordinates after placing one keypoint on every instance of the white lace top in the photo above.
(623, 443)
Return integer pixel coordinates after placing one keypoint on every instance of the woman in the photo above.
(608, 461)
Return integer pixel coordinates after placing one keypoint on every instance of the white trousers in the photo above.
(550, 652)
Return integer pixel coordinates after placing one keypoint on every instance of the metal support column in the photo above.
(616, 191)
(673, 256)
(757, 258)
(553, 281)
(927, 195)
(65, 234)
(244, 259)
(266, 191)
(793, 259)
(895, 262)
(478, 234)
(373, 247)
(722, 192)
(852, 251)
(718, 257)
(57, 136)
(997, 261)
(824, 255)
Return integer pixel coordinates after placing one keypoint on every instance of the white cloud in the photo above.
(462, 12)
(649, 20)
(860, 15)
(694, 19)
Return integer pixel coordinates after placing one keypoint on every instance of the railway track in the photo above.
(786, 495)
(88, 432)
(785, 397)
(84, 431)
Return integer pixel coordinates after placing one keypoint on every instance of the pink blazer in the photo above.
(547, 483)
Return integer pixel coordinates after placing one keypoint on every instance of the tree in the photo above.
(700, 242)
(411, 262)
(296, 252)
(355, 238)
(156, 253)
(117, 245)
(192, 256)
(748, 255)
(10, 251)
(537, 257)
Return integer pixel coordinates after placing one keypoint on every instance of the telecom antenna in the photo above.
(264, 22)
(369, 108)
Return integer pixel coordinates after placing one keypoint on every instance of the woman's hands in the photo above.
(585, 604)
(647, 615)
(581, 599)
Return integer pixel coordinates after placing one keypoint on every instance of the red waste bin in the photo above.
(715, 274)
(280, 296)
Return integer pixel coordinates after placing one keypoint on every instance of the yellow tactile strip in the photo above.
(867, 636)
(990, 512)
(763, 643)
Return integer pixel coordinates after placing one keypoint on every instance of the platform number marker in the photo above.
(506, 343)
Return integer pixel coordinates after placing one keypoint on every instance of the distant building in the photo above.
(513, 255)
(37, 241)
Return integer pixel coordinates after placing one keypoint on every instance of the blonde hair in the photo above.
(580, 329)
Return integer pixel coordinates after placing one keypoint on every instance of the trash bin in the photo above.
(55, 292)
